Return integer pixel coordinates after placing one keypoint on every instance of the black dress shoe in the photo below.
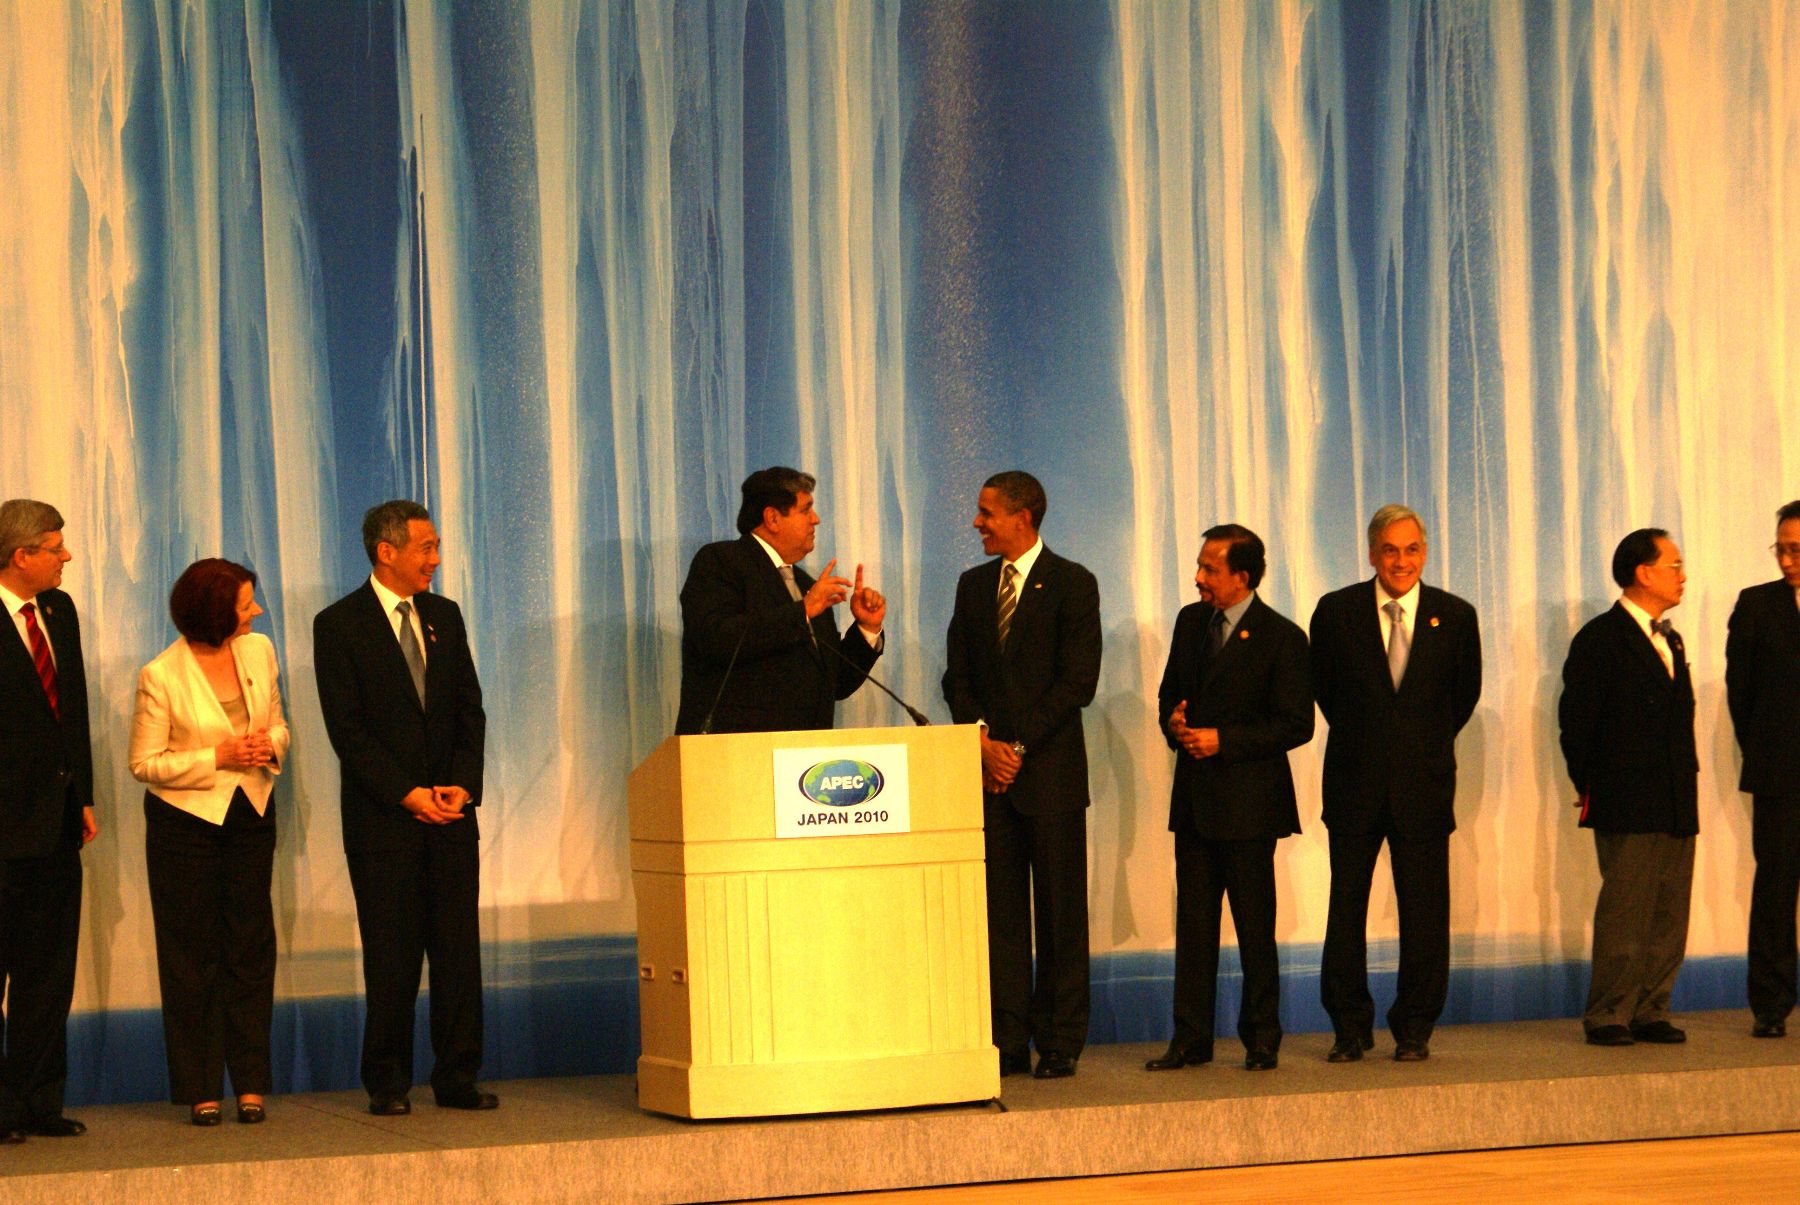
(1769, 1027)
(1659, 1032)
(1015, 1062)
(390, 1106)
(1610, 1035)
(1052, 1065)
(1348, 1050)
(469, 1098)
(1259, 1060)
(1411, 1050)
(1179, 1055)
(250, 1115)
(204, 1116)
(56, 1127)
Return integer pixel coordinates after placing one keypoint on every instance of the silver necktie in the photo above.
(1399, 643)
(409, 648)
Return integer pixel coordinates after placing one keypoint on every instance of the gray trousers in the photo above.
(1640, 926)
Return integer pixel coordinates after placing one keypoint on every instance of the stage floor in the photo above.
(1485, 1087)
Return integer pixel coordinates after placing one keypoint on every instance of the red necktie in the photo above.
(40, 655)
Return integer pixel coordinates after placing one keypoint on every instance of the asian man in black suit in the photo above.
(402, 706)
(1396, 668)
(760, 651)
(1236, 695)
(1627, 718)
(46, 816)
(1762, 687)
(1023, 660)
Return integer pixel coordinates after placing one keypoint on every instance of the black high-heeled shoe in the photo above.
(204, 1115)
(250, 1114)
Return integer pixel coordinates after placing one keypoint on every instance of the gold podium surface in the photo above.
(809, 974)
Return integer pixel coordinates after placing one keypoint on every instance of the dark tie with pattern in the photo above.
(1215, 634)
(409, 648)
(40, 657)
(1009, 600)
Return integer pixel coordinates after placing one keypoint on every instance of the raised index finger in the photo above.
(859, 585)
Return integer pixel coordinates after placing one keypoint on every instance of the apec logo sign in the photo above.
(841, 783)
(841, 790)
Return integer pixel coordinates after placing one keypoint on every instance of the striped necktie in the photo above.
(1009, 600)
(40, 657)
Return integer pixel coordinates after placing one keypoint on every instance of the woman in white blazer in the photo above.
(207, 739)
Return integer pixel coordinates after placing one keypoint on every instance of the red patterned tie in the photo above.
(40, 655)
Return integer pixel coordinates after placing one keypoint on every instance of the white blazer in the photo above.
(179, 722)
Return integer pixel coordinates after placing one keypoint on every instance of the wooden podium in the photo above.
(809, 974)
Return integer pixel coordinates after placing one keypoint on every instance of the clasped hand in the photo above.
(1000, 764)
(245, 752)
(436, 805)
(869, 607)
(1195, 742)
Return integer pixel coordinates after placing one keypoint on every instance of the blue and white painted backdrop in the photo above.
(566, 269)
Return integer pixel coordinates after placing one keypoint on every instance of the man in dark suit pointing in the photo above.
(46, 816)
(1396, 668)
(760, 651)
(1627, 717)
(1762, 686)
(1023, 660)
(402, 707)
(1235, 696)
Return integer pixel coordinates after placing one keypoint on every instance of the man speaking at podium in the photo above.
(760, 651)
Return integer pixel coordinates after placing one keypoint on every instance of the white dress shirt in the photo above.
(1409, 613)
(14, 606)
(390, 600)
(1656, 638)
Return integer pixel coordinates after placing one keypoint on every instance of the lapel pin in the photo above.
(1037, 585)
(1243, 633)
(1434, 621)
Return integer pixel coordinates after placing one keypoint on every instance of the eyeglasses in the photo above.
(1786, 552)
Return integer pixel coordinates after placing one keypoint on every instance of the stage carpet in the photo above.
(1484, 1087)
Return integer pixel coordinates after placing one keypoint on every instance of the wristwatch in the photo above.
(1018, 747)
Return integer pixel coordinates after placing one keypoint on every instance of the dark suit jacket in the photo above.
(1391, 755)
(46, 763)
(734, 598)
(1762, 686)
(1034, 691)
(1628, 730)
(386, 743)
(1257, 692)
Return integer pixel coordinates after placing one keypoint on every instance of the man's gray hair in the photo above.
(1389, 515)
(23, 524)
(386, 524)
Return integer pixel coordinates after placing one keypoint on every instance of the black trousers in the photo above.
(1775, 840)
(40, 925)
(1205, 873)
(411, 904)
(1421, 866)
(1037, 886)
(215, 945)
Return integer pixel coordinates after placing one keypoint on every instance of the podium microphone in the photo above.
(918, 717)
(729, 666)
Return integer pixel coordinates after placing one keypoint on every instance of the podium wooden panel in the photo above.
(808, 974)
